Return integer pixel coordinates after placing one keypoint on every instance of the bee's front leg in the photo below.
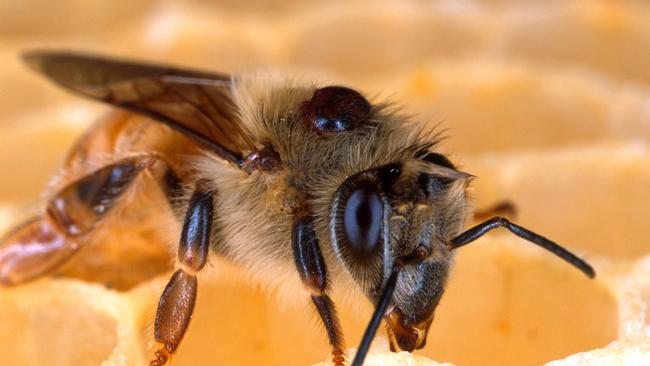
(501, 208)
(177, 300)
(313, 273)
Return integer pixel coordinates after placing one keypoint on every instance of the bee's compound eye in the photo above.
(362, 219)
(335, 109)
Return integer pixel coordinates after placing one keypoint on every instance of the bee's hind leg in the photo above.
(33, 249)
(177, 300)
(45, 242)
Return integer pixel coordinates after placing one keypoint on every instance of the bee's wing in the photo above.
(195, 103)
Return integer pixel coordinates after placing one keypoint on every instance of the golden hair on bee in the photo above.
(295, 182)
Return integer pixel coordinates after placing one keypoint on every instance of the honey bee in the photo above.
(276, 176)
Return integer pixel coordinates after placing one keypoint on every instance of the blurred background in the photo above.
(547, 102)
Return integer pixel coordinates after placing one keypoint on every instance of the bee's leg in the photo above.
(313, 273)
(172, 185)
(33, 249)
(177, 300)
(501, 208)
(45, 242)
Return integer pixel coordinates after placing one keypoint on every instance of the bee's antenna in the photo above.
(477, 231)
(416, 257)
(380, 310)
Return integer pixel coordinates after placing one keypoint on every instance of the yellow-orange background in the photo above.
(547, 102)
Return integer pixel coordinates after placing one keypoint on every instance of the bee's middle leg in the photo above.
(177, 300)
(313, 273)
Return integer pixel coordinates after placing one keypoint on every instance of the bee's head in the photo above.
(395, 211)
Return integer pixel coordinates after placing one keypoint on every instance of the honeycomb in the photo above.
(547, 102)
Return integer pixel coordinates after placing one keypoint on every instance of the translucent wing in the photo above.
(196, 103)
